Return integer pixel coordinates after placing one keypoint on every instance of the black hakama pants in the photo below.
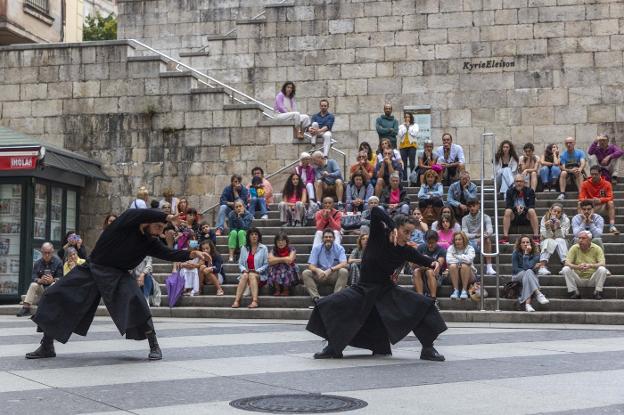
(70, 304)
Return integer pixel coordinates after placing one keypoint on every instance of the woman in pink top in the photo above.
(306, 172)
(294, 198)
(445, 232)
(286, 108)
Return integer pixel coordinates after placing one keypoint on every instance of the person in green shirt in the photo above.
(585, 267)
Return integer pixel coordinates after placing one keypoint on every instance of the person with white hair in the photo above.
(46, 271)
(585, 267)
(305, 170)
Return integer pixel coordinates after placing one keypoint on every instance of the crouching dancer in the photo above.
(69, 305)
(376, 312)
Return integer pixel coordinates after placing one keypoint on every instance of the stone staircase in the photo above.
(560, 310)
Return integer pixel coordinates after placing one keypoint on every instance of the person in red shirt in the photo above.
(327, 217)
(599, 190)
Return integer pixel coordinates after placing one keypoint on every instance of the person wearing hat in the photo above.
(305, 170)
(607, 156)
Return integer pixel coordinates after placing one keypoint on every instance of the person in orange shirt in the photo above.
(600, 191)
(362, 166)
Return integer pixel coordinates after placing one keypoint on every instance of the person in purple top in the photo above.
(286, 108)
(322, 124)
(607, 156)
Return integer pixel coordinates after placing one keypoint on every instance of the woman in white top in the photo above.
(408, 143)
(460, 259)
(141, 199)
(506, 165)
(554, 229)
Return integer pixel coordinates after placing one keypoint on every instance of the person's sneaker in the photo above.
(575, 295)
(614, 230)
(327, 353)
(561, 196)
(455, 295)
(541, 298)
(504, 240)
(464, 295)
(430, 353)
(597, 295)
(529, 308)
(490, 271)
(264, 216)
(23, 312)
(543, 271)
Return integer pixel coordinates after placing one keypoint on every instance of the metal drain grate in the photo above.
(298, 404)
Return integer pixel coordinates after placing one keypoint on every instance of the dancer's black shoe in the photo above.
(155, 352)
(430, 353)
(44, 351)
(328, 353)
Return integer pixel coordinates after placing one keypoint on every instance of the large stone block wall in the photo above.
(567, 77)
(145, 128)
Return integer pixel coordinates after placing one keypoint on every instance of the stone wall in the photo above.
(147, 125)
(562, 72)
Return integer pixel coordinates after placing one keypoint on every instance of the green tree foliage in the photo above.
(100, 28)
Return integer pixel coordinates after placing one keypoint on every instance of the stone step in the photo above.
(175, 82)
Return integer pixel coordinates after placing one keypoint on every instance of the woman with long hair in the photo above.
(550, 170)
(525, 260)
(253, 264)
(294, 198)
(282, 266)
(529, 164)
(408, 144)
(286, 108)
(426, 162)
(460, 257)
(182, 208)
(506, 165)
(554, 229)
(445, 231)
(358, 192)
(430, 195)
(108, 220)
(370, 154)
(211, 271)
(355, 259)
(448, 211)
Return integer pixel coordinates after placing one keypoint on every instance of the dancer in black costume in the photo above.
(69, 305)
(377, 312)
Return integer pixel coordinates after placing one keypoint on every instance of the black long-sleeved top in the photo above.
(382, 257)
(122, 245)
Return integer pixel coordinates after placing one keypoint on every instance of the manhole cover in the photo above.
(298, 404)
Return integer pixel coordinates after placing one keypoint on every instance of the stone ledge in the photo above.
(253, 106)
(28, 46)
(250, 21)
(276, 123)
(221, 37)
(176, 74)
(216, 90)
(276, 5)
(192, 54)
(148, 58)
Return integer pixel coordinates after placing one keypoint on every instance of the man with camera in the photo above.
(46, 271)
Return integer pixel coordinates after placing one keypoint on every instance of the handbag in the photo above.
(511, 290)
(350, 222)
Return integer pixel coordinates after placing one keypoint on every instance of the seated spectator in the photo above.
(589, 221)
(430, 194)
(418, 235)
(72, 260)
(307, 173)
(365, 222)
(525, 260)
(387, 126)
(257, 199)
(282, 272)
(355, 259)
(253, 264)
(371, 156)
(425, 276)
(327, 265)
(358, 192)
(211, 272)
(322, 124)
(506, 166)
(239, 221)
(294, 198)
(286, 108)
(426, 161)
(206, 233)
(451, 158)
(192, 220)
(597, 189)
(572, 165)
(554, 229)
(460, 261)
(327, 218)
(607, 156)
(266, 185)
(168, 197)
(384, 169)
(446, 210)
(408, 145)
(46, 271)
(108, 220)
(528, 165)
(166, 207)
(471, 226)
(328, 177)
(445, 231)
(145, 281)
(385, 144)
(550, 170)
(460, 193)
(230, 194)
(585, 267)
(520, 209)
(394, 198)
(141, 200)
(72, 240)
(154, 204)
(189, 270)
(182, 208)
(363, 166)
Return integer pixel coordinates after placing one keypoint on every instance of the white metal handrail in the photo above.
(496, 253)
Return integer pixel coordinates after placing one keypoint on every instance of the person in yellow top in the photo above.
(72, 259)
(408, 145)
(585, 267)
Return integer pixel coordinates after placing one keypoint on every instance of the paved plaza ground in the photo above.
(490, 369)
